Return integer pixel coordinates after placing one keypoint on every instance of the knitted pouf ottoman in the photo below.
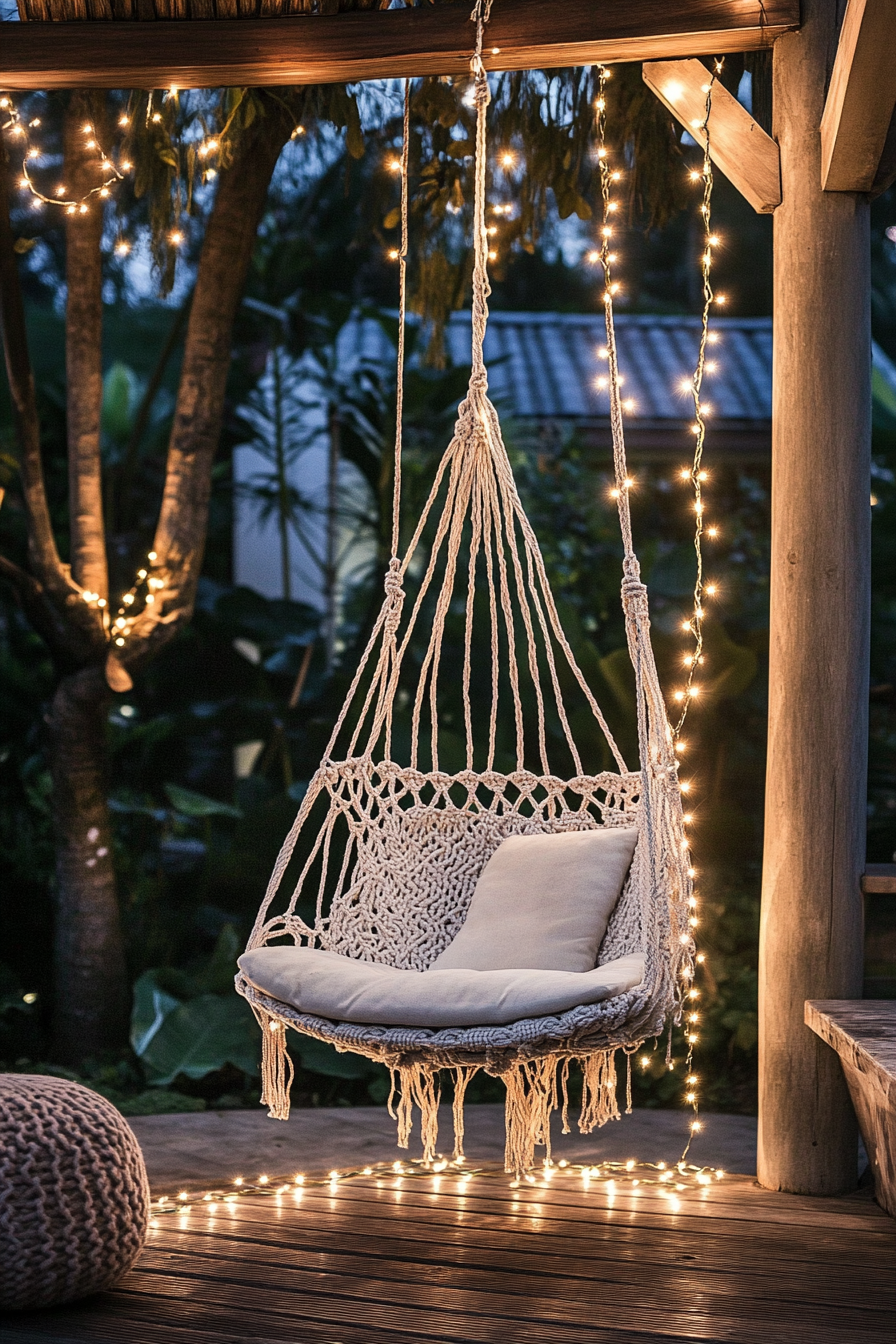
(74, 1198)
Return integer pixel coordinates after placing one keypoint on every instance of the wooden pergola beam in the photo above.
(738, 145)
(861, 97)
(430, 40)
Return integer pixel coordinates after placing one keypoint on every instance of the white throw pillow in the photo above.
(342, 989)
(543, 902)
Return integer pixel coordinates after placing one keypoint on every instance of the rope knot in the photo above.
(634, 595)
(393, 583)
(395, 594)
(481, 93)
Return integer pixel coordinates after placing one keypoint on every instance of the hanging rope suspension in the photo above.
(387, 855)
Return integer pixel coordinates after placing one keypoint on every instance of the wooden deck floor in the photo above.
(377, 1264)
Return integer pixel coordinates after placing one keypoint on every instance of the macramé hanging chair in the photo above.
(394, 851)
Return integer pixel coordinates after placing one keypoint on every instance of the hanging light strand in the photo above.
(694, 660)
(607, 256)
(695, 473)
(20, 130)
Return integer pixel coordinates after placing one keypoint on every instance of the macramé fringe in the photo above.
(276, 1067)
(599, 1102)
(462, 1076)
(534, 1093)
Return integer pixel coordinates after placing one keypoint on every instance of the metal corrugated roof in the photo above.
(545, 366)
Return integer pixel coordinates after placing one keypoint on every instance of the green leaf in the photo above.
(119, 394)
(152, 1004)
(730, 667)
(198, 805)
(201, 1036)
(883, 397)
(354, 136)
(9, 469)
(217, 976)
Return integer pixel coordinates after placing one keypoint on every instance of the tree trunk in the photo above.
(91, 993)
(811, 930)
(85, 118)
(220, 281)
(91, 982)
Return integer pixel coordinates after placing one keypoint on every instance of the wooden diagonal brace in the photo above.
(738, 145)
(861, 97)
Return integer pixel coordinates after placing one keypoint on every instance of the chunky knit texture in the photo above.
(74, 1198)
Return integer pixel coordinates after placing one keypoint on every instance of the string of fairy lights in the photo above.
(698, 476)
(452, 1176)
(695, 473)
(606, 255)
(20, 130)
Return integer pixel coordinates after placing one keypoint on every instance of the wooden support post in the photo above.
(811, 928)
(738, 145)
(861, 98)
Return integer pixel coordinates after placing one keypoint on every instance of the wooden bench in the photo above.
(863, 1032)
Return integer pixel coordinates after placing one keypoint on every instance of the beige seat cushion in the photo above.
(543, 902)
(328, 985)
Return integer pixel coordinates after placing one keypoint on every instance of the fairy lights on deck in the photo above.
(446, 1177)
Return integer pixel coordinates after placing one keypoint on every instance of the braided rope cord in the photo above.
(411, 841)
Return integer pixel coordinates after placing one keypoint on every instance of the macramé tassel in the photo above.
(599, 1102)
(276, 1067)
(462, 1077)
(564, 1092)
(531, 1100)
(419, 1085)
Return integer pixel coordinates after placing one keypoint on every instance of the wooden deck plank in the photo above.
(721, 1199)
(814, 1293)
(368, 1265)
(593, 1207)
(445, 1313)
(672, 1252)
(127, 1316)
(857, 1248)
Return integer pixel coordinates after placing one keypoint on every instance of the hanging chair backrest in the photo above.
(417, 844)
